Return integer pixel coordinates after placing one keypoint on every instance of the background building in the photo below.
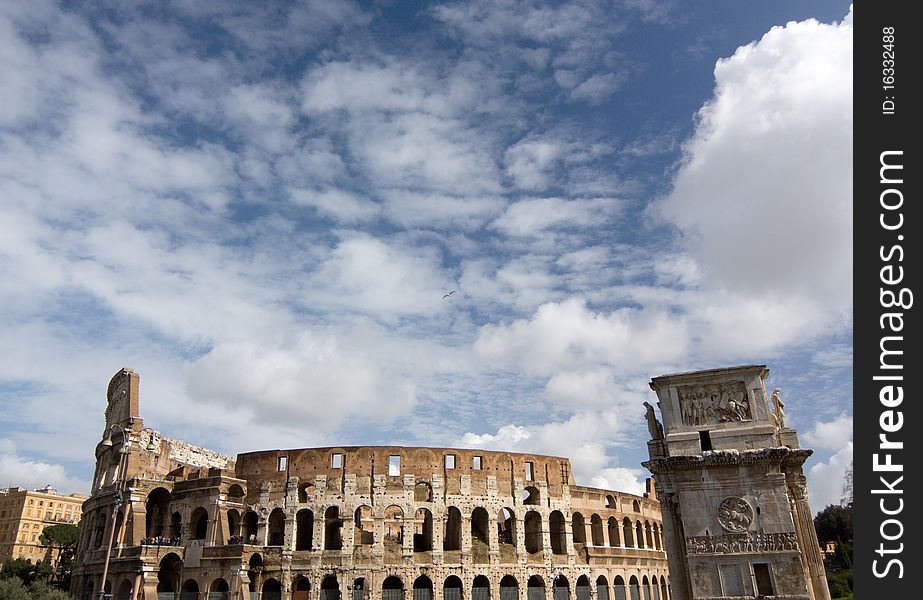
(25, 513)
(365, 522)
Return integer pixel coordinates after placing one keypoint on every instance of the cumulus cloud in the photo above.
(29, 473)
(831, 435)
(782, 105)
(579, 438)
(826, 479)
(533, 217)
(567, 335)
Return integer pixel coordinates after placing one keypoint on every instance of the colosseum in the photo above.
(172, 521)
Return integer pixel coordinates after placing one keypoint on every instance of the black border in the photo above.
(874, 133)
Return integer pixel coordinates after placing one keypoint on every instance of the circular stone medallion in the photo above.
(735, 514)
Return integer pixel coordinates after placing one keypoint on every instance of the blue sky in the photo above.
(259, 207)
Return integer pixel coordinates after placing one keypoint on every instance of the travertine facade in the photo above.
(732, 489)
(366, 522)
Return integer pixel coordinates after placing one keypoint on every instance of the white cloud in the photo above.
(341, 205)
(303, 382)
(826, 479)
(583, 438)
(567, 334)
(831, 435)
(533, 217)
(33, 474)
(764, 193)
(371, 275)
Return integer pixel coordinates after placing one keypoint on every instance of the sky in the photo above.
(260, 207)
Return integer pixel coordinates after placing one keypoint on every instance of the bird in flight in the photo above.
(449, 294)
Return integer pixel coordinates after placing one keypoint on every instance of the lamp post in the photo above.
(119, 491)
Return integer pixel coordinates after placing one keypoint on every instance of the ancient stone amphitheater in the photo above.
(367, 522)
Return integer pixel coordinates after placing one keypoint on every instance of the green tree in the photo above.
(18, 568)
(834, 524)
(12, 588)
(43, 591)
(62, 537)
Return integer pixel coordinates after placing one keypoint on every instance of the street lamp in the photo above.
(119, 491)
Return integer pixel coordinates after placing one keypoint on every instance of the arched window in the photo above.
(583, 588)
(236, 493)
(506, 535)
(190, 590)
(663, 588)
(610, 501)
(158, 510)
(233, 526)
(602, 588)
(480, 544)
(533, 531)
(198, 524)
(364, 526)
(422, 530)
(646, 585)
(451, 539)
(423, 492)
(333, 528)
(536, 588)
(636, 506)
(272, 590)
(218, 590)
(561, 588)
(305, 491)
(627, 535)
(633, 590)
(301, 589)
(531, 496)
(579, 527)
(422, 588)
(618, 588)
(480, 590)
(276, 527)
(509, 588)
(596, 528)
(613, 532)
(394, 531)
(506, 527)
(649, 534)
(655, 589)
(253, 572)
(452, 588)
(304, 529)
(639, 534)
(330, 588)
(168, 573)
(392, 588)
(558, 535)
(360, 590)
(250, 523)
(124, 592)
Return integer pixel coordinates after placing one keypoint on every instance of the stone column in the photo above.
(807, 537)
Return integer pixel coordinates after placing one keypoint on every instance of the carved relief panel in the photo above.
(714, 403)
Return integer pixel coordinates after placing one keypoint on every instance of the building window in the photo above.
(705, 439)
(530, 471)
(763, 579)
(449, 461)
(476, 463)
(336, 460)
(394, 465)
(283, 462)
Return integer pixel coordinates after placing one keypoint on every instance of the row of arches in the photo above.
(393, 588)
(421, 526)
